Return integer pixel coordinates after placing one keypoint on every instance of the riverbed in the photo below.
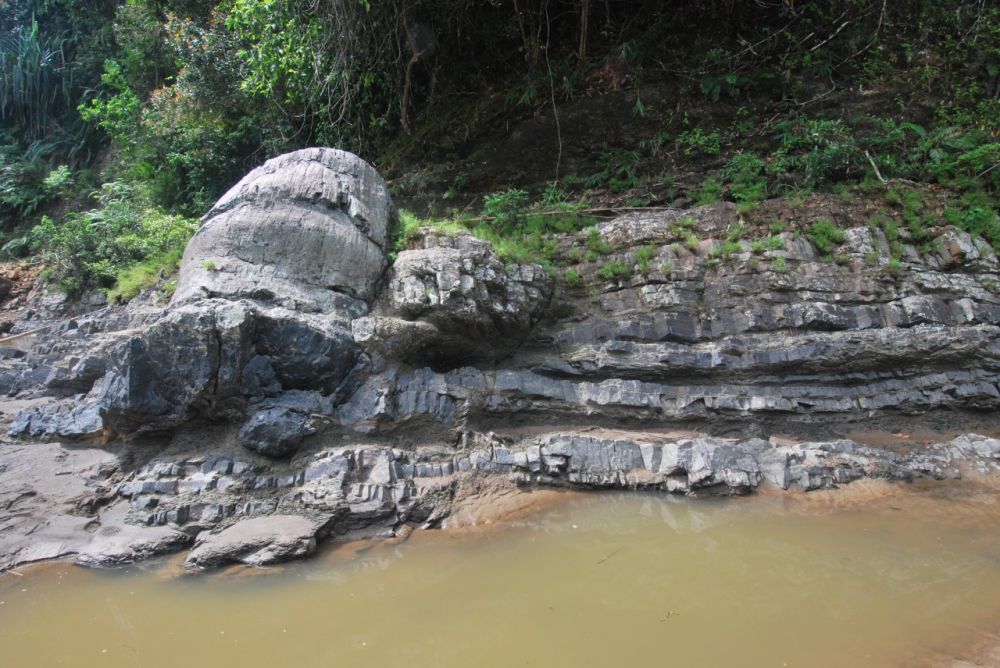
(875, 575)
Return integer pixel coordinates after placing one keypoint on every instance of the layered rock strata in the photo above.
(362, 394)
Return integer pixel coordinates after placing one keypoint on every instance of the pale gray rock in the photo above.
(306, 230)
(394, 338)
(256, 541)
(481, 306)
(119, 544)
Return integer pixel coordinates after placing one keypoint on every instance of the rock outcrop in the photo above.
(453, 301)
(759, 336)
(376, 490)
(306, 230)
(361, 398)
(268, 289)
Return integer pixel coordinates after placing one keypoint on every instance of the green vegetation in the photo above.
(168, 102)
(619, 171)
(644, 256)
(506, 210)
(745, 174)
(726, 250)
(596, 243)
(710, 192)
(614, 269)
(516, 229)
(825, 236)
(129, 282)
(95, 247)
(697, 141)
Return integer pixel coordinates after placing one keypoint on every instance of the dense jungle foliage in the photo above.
(121, 121)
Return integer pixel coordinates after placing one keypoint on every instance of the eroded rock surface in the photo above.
(306, 230)
(268, 289)
(361, 401)
(454, 300)
(257, 541)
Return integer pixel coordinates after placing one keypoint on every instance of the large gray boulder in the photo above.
(306, 230)
(269, 286)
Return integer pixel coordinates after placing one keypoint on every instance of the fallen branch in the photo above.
(874, 166)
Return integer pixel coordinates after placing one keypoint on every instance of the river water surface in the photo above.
(843, 579)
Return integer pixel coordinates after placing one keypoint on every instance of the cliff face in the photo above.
(746, 338)
(662, 351)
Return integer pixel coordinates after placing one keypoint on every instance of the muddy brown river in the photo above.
(870, 576)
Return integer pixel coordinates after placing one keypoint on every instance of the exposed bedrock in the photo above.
(258, 512)
(693, 335)
(267, 292)
(453, 301)
(361, 396)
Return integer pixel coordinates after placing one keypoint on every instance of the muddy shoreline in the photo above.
(127, 501)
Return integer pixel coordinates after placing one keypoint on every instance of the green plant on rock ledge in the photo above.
(146, 274)
(614, 269)
(825, 236)
(596, 243)
(644, 256)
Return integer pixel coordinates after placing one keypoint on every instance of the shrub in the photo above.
(698, 141)
(90, 249)
(23, 175)
(745, 173)
(816, 152)
(710, 191)
(644, 256)
(620, 171)
(825, 236)
(505, 210)
(614, 269)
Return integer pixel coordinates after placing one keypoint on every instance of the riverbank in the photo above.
(200, 491)
(907, 572)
